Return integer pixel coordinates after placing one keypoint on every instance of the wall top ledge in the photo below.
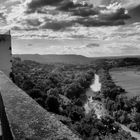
(28, 120)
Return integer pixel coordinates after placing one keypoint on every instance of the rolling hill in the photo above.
(52, 58)
(67, 58)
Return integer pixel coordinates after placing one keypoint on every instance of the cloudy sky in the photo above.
(90, 27)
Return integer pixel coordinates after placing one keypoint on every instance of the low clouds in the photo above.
(82, 40)
(56, 25)
(73, 46)
(92, 45)
(128, 4)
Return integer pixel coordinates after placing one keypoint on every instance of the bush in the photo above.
(52, 104)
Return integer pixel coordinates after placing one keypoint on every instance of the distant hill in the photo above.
(52, 58)
(67, 59)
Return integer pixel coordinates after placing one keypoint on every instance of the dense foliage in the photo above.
(60, 88)
(123, 109)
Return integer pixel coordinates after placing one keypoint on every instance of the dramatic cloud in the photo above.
(77, 13)
(129, 4)
(56, 25)
(135, 14)
(76, 27)
(108, 34)
(60, 15)
(85, 11)
(124, 3)
(117, 14)
(33, 5)
(62, 18)
(67, 5)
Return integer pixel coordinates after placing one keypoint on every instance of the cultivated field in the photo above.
(129, 79)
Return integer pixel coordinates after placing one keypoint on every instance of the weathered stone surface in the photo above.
(28, 120)
(0, 129)
(5, 53)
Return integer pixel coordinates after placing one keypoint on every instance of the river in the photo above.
(94, 87)
(93, 104)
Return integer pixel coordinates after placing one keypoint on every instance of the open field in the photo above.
(129, 79)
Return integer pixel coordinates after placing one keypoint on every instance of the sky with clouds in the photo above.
(86, 27)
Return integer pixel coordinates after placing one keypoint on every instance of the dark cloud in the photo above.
(34, 4)
(89, 22)
(62, 25)
(85, 15)
(30, 44)
(84, 11)
(92, 45)
(66, 5)
(119, 14)
(57, 25)
(135, 14)
(33, 22)
(77, 9)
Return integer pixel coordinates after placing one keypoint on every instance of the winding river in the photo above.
(94, 87)
(92, 104)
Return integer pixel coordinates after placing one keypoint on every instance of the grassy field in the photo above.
(129, 79)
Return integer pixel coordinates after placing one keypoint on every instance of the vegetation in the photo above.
(60, 89)
(123, 109)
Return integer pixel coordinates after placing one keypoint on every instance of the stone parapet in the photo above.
(25, 119)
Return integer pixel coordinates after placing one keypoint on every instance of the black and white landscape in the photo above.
(79, 60)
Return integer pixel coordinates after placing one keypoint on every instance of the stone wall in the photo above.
(27, 120)
(5, 53)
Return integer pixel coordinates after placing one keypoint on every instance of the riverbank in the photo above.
(119, 106)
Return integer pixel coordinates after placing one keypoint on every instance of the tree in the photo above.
(27, 85)
(138, 106)
(133, 126)
(77, 113)
(73, 90)
(137, 118)
(35, 93)
(52, 104)
(53, 92)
